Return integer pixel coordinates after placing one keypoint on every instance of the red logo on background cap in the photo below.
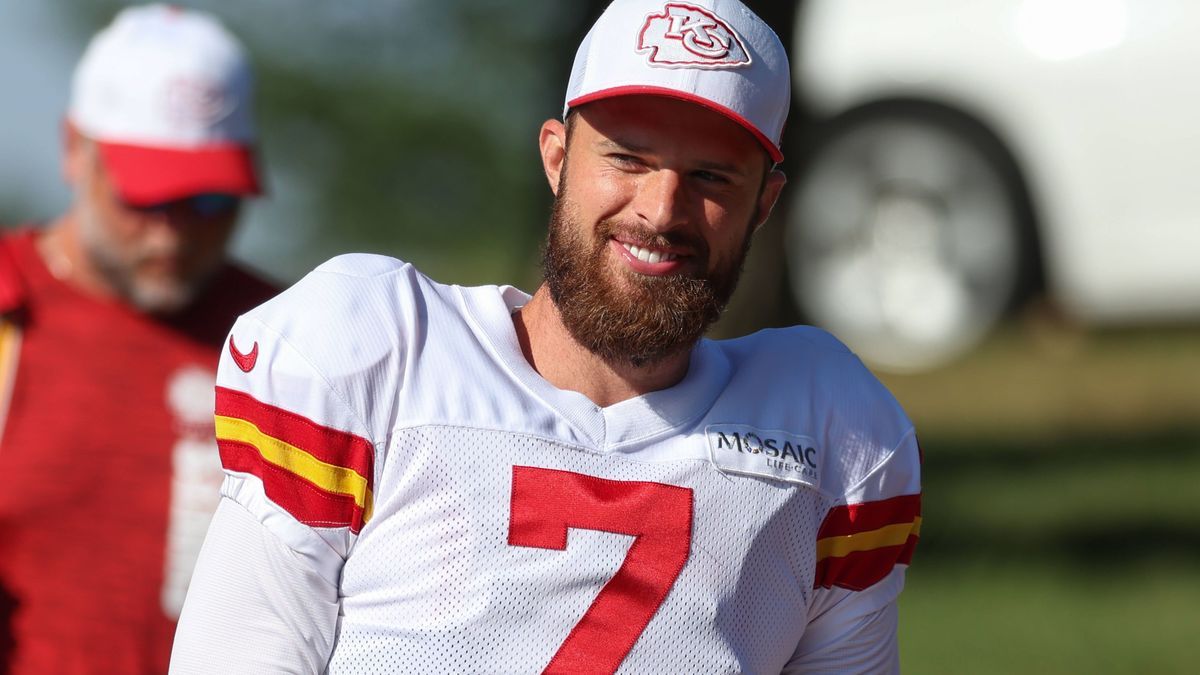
(687, 35)
(193, 102)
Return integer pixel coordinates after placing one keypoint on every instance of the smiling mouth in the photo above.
(648, 255)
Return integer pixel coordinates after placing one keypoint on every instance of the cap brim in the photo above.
(152, 175)
(650, 90)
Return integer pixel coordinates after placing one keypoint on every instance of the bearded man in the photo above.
(111, 318)
(432, 478)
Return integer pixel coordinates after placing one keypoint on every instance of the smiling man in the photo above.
(431, 478)
(643, 255)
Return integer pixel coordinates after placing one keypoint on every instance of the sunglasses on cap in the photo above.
(206, 205)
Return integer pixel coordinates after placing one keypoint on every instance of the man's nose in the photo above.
(169, 226)
(661, 202)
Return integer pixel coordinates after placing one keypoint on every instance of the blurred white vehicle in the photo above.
(972, 151)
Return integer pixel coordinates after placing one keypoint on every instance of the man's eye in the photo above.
(710, 177)
(628, 160)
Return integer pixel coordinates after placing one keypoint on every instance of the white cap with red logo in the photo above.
(715, 53)
(166, 93)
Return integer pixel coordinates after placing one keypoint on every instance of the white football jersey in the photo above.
(475, 519)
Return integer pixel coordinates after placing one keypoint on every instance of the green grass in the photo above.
(1078, 555)
(1062, 507)
(984, 618)
(1132, 491)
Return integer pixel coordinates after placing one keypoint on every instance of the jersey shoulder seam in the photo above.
(910, 431)
(341, 399)
(403, 267)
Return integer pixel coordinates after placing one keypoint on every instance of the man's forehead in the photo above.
(715, 53)
(657, 124)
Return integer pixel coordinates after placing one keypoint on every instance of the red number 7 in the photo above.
(545, 503)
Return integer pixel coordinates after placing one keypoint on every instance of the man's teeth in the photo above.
(646, 255)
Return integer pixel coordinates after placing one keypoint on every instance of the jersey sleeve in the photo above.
(848, 634)
(868, 534)
(864, 547)
(304, 391)
(300, 389)
(253, 605)
(874, 526)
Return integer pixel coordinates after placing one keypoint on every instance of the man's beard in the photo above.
(641, 319)
(156, 296)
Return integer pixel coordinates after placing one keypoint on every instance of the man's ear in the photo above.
(770, 194)
(76, 154)
(552, 141)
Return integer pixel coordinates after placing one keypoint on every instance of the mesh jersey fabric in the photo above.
(390, 434)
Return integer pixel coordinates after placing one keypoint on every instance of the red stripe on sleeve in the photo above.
(855, 518)
(862, 569)
(329, 445)
(305, 501)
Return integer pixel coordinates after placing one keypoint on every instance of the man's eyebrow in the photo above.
(621, 146)
(614, 145)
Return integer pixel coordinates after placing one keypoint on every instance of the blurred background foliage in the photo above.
(1062, 533)
(398, 127)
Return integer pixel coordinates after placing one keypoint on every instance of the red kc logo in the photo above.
(687, 35)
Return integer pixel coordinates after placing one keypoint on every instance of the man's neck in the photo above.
(62, 250)
(563, 362)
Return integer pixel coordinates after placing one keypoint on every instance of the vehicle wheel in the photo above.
(906, 239)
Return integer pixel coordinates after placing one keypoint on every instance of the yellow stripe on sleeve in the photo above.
(329, 477)
(889, 535)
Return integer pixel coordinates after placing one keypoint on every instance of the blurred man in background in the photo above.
(112, 319)
(429, 478)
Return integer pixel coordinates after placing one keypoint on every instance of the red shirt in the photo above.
(108, 467)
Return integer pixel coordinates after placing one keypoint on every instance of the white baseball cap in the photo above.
(715, 53)
(166, 93)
